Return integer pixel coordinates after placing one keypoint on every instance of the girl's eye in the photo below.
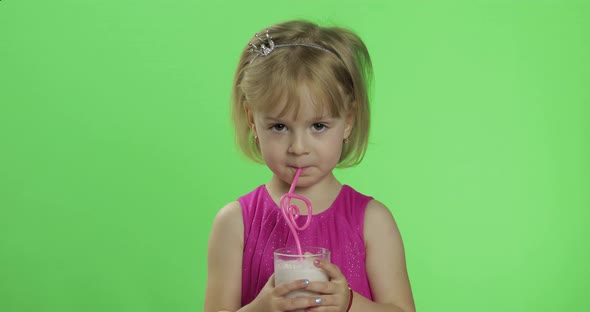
(278, 127)
(319, 126)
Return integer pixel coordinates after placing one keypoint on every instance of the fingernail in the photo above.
(306, 282)
(316, 262)
(318, 300)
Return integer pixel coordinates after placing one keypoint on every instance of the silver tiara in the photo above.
(267, 45)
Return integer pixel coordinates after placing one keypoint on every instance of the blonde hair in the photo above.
(338, 81)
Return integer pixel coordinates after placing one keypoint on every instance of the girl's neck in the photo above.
(321, 194)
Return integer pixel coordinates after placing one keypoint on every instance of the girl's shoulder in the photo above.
(228, 221)
(376, 211)
(230, 210)
(378, 221)
(376, 207)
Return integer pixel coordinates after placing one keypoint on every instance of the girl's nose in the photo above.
(298, 145)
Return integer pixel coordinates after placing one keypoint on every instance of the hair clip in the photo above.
(267, 45)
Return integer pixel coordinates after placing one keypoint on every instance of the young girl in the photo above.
(300, 101)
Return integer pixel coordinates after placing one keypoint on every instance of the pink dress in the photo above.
(339, 229)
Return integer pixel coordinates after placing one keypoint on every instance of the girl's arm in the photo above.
(224, 260)
(385, 264)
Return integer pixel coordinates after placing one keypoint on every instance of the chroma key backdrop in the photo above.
(117, 150)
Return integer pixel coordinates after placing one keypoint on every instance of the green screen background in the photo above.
(116, 148)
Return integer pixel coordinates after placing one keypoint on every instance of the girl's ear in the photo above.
(349, 124)
(250, 118)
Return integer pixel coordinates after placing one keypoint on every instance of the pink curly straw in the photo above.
(291, 212)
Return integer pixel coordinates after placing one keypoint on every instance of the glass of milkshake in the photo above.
(290, 265)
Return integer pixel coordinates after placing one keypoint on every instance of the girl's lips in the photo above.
(302, 168)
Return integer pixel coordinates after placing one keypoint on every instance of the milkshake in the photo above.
(290, 266)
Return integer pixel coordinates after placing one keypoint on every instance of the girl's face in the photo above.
(305, 139)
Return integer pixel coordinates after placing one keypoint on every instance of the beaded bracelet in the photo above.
(350, 299)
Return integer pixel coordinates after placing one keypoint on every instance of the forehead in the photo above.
(303, 104)
(298, 100)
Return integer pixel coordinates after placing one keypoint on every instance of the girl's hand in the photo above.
(273, 299)
(334, 295)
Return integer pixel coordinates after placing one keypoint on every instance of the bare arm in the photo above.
(224, 260)
(385, 264)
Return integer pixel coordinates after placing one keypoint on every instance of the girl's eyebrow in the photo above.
(271, 119)
(313, 119)
(320, 118)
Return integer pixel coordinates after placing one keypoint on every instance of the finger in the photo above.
(323, 287)
(309, 302)
(331, 294)
(331, 269)
(286, 287)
